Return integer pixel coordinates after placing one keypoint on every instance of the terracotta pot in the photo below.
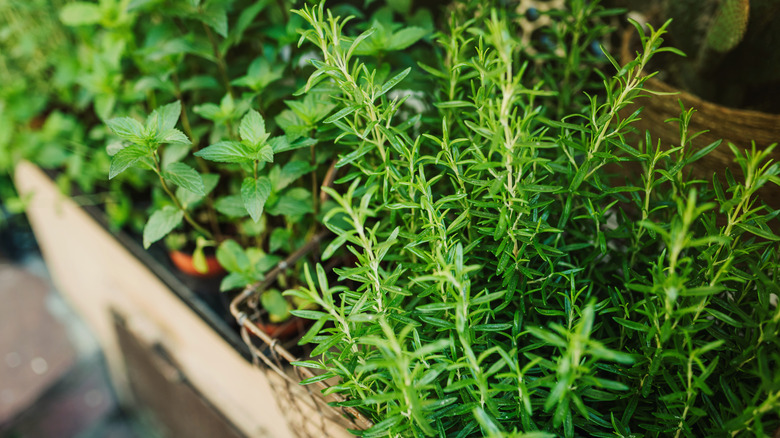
(183, 262)
(285, 330)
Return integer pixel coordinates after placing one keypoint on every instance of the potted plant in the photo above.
(724, 75)
(507, 281)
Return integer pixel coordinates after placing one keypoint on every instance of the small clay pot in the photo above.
(183, 261)
(283, 331)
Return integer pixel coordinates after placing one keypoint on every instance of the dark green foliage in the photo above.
(507, 281)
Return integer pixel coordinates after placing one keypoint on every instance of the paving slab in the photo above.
(35, 350)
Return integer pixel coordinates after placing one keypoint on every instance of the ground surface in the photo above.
(53, 379)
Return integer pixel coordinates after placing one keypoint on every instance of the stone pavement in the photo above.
(53, 379)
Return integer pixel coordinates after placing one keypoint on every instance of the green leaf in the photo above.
(126, 158)
(393, 82)
(127, 128)
(342, 113)
(174, 153)
(232, 257)
(226, 152)
(187, 198)
(633, 325)
(80, 14)
(254, 193)
(316, 379)
(704, 151)
(231, 206)
(406, 37)
(265, 154)
(290, 173)
(208, 111)
(234, 280)
(278, 308)
(166, 116)
(252, 130)
(185, 177)
(199, 260)
(294, 202)
(161, 223)
(764, 234)
(216, 18)
(174, 136)
(280, 239)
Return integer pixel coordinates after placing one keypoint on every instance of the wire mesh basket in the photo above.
(307, 411)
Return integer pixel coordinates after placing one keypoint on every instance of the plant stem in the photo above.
(220, 60)
(176, 202)
(202, 165)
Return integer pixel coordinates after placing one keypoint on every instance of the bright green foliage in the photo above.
(507, 282)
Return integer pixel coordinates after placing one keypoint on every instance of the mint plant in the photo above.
(508, 281)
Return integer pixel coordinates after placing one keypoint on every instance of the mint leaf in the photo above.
(226, 152)
(232, 257)
(127, 128)
(291, 172)
(280, 239)
(232, 206)
(254, 193)
(161, 223)
(126, 158)
(166, 116)
(187, 198)
(216, 18)
(294, 202)
(234, 280)
(185, 177)
(174, 136)
(252, 129)
(266, 153)
(406, 37)
(208, 111)
(174, 153)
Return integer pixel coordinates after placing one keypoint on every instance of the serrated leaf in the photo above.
(127, 128)
(126, 158)
(175, 136)
(252, 129)
(265, 154)
(254, 193)
(226, 152)
(185, 177)
(187, 198)
(167, 116)
(160, 223)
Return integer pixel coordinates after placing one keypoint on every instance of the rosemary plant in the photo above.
(521, 272)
